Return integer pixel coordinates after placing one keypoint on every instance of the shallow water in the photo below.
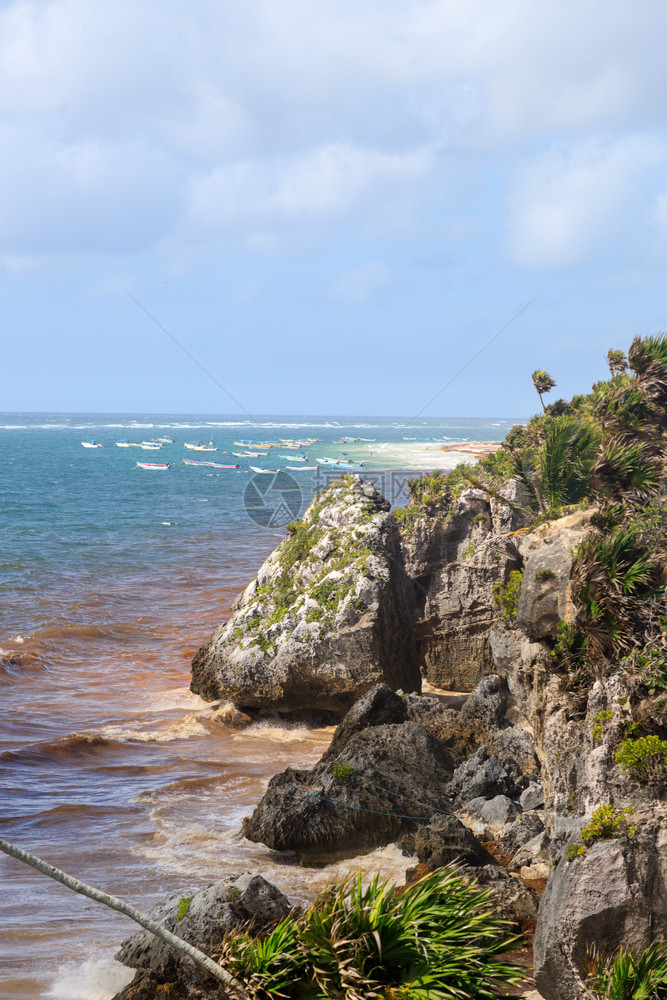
(110, 579)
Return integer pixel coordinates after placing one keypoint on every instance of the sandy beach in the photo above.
(426, 454)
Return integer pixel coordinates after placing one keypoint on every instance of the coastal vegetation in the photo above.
(437, 938)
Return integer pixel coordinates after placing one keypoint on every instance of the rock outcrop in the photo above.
(384, 781)
(203, 920)
(329, 615)
(455, 558)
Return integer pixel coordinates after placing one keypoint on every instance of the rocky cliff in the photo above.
(329, 615)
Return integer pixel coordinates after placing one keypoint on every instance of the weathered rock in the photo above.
(432, 714)
(446, 840)
(613, 895)
(377, 707)
(329, 616)
(532, 797)
(225, 905)
(455, 562)
(523, 829)
(534, 851)
(498, 812)
(480, 776)
(384, 780)
(546, 589)
(512, 900)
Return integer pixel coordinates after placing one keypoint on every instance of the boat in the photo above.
(294, 458)
(250, 454)
(151, 446)
(191, 461)
(264, 472)
(221, 465)
(302, 468)
(91, 444)
(198, 446)
(339, 463)
(165, 440)
(154, 466)
(124, 443)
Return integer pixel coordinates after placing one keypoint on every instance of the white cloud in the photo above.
(569, 200)
(324, 184)
(357, 286)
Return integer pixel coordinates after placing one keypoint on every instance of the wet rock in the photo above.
(329, 616)
(385, 780)
(446, 840)
(225, 905)
(377, 707)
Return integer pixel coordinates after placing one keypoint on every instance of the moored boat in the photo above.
(91, 444)
(264, 472)
(154, 466)
(221, 465)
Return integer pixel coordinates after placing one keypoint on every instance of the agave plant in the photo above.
(438, 939)
(628, 975)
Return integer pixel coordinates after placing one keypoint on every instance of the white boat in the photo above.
(302, 468)
(250, 454)
(198, 446)
(91, 444)
(151, 446)
(124, 443)
(264, 472)
(154, 466)
(165, 440)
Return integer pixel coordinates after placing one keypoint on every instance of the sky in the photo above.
(326, 206)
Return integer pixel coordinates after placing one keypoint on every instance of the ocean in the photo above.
(111, 576)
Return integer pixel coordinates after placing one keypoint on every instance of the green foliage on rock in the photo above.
(437, 939)
(644, 759)
(506, 595)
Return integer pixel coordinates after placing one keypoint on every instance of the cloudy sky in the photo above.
(332, 205)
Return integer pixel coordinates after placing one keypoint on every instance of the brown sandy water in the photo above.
(112, 770)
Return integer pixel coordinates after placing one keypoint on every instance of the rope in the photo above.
(375, 812)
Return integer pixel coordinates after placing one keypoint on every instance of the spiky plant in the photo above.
(543, 383)
(628, 975)
(556, 472)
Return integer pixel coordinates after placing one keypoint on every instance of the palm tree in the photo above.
(617, 362)
(543, 382)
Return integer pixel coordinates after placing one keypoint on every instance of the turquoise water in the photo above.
(110, 578)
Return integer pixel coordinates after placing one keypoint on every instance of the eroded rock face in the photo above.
(329, 616)
(224, 906)
(384, 781)
(455, 559)
(445, 840)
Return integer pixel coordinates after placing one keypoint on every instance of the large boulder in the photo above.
(445, 840)
(328, 617)
(384, 782)
(228, 904)
(456, 561)
(614, 895)
(378, 707)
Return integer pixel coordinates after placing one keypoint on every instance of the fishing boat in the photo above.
(198, 446)
(294, 458)
(191, 461)
(151, 446)
(91, 444)
(339, 463)
(154, 466)
(221, 465)
(250, 454)
(164, 440)
(302, 468)
(264, 472)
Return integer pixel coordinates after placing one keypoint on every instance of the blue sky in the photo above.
(331, 204)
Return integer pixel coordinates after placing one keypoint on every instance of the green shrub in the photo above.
(437, 938)
(183, 906)
(598, 724)
(543, 575)
(628, 975)
(605, 823)
(644, 759)
(506, 595)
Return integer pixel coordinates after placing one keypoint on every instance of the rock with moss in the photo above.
(202, 920)
(328, 617)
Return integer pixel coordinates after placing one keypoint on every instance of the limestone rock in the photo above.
(525, 828)
(513, 901)
(455, 561)
(446, 840)
(329, 616)
(480, 776)
(226, 904)
(367, 796)
(613, 895)
(377, 707)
